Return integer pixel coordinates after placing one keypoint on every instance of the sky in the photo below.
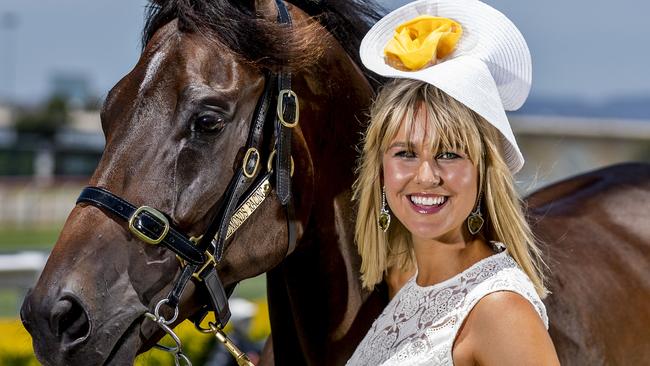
(582, 49)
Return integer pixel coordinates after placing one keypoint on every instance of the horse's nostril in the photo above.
(69, 321)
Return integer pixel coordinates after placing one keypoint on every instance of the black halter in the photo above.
(245, 192)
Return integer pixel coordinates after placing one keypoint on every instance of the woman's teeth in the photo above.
(428, 201)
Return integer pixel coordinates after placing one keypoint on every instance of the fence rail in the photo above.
(20, 270)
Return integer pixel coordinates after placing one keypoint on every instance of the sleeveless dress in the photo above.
(419, 325)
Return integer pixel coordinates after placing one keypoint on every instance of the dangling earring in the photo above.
(384, 215)
(475, 220)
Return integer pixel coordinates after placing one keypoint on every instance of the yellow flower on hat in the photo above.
(421, 41)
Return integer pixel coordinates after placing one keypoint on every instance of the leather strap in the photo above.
(218, 297)
(240, 183)
(291, 228)
(174, 297)
(144, 222)
(287, 108)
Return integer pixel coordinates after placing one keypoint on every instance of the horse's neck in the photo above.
(319, 312)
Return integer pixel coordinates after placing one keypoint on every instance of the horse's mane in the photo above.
(266, 43)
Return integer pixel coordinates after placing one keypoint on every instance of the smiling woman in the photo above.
(439, 155)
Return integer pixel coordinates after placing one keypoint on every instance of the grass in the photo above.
(10, 300)
(252, 289)
(14, 239)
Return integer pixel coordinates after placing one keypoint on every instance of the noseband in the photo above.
(245, 192)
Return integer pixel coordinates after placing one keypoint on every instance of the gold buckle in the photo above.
(141, 235)
(269, 163)
(210, 261)
(252, 151)
(284, 93)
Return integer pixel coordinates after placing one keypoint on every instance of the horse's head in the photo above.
(176, 127)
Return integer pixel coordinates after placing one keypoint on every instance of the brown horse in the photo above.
(596, 228)
(175, 127)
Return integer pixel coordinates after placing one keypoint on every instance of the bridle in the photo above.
(245, 192)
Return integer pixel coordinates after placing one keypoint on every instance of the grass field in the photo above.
(14, 239)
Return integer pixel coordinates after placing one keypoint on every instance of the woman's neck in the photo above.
(438, 261)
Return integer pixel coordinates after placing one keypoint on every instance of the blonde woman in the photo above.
(436, 195)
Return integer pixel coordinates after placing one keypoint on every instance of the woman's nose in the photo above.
(427, 174)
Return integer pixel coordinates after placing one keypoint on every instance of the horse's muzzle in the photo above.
(58, 327)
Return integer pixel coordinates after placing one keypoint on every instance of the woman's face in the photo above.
(431, 192)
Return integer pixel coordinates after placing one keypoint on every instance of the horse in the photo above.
(595, 234)
(175, 127)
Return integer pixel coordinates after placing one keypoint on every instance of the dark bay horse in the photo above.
(175, 127)
(596, 230)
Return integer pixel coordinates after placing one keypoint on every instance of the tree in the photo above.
(44, 122)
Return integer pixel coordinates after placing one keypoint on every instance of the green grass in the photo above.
(252, 288)
(10, 301)
(22, 238)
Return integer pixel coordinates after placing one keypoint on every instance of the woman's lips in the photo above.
(427, 208)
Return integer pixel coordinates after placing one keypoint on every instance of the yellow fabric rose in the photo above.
(421, 41)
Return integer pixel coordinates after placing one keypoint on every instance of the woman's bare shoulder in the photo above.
(504, 328)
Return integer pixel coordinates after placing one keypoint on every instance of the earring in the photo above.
(384, 215)
(475, 220)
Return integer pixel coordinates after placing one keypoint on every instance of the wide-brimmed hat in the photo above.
(489, 71)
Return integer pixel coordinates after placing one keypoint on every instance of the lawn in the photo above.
(14, 239)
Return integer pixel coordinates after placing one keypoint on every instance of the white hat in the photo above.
(490, 70)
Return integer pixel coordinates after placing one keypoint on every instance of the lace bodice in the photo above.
(419, 325)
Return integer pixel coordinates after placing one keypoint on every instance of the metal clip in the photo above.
(241, 358)
(180, 358)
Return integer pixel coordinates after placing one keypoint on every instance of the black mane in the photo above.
(265, 43)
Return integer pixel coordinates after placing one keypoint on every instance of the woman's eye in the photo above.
(208, 122)
(447, 155)
(405, 154)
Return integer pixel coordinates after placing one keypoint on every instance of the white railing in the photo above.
(21, 270)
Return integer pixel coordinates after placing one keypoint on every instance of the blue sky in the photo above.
(590, 50)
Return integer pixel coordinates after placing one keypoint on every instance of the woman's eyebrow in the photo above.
(401, 144)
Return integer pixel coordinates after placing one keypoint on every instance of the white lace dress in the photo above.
(419, 325)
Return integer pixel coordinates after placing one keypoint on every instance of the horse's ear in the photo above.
(265, 8)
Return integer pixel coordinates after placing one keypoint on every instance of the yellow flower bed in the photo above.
(16, 344)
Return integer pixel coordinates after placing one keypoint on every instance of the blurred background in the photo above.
(589, 107)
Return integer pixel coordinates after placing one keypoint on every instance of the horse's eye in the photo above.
(208, 122)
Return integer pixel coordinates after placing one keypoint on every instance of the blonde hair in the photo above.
(458, 129)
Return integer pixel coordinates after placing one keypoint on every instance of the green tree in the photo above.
(44, 122)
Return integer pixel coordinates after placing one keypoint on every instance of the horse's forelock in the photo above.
(260, 39)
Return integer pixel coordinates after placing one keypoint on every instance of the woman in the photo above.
(436, 192)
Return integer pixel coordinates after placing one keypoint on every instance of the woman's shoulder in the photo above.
(504, 327)
(505, 279)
